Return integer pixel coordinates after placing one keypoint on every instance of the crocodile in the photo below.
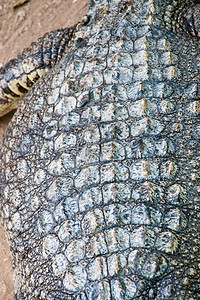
(100, 163)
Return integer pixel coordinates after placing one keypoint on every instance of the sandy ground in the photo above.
(18, 29)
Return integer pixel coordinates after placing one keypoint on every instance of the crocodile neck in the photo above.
(114, 6)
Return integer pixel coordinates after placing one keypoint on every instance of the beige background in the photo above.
(18, 29)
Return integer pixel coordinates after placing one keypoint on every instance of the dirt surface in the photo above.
(18, 29)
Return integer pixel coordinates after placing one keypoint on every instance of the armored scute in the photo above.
(100, 165)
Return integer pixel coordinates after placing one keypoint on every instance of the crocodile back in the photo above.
(100, 165)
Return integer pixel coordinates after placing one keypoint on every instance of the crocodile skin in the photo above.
(19, 74)
(100, 165)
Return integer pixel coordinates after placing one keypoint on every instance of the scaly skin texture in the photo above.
(100, 165)
(19, 74)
